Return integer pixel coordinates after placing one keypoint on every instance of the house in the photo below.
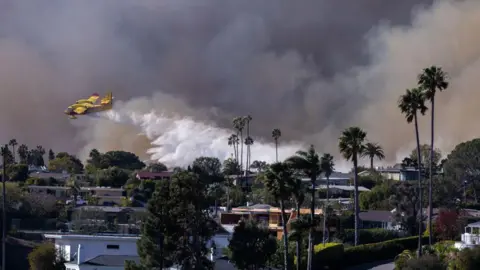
(59, 192)
(95, 252)
(105, 195)
(396, 172)
(244, 181)
(123, 220)
(471, 236)
(377, 219)
(264, 213)
(154, 175)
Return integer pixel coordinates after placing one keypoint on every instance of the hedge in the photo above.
(328, 256)
(367, 236)
(379, 251)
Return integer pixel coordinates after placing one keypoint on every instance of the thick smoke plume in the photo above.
(310, 68)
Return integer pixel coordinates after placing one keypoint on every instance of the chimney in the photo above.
(80, 254)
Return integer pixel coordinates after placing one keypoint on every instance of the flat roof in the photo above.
(342, 187)
(96, 237)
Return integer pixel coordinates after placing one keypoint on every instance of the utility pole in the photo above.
(4, 206)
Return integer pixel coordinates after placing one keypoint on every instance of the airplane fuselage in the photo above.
(70, 111)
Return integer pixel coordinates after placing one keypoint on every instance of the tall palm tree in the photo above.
(298, 194)
(239, 125)
(233, 141)
(373, 150)
(247, 119)
(13, 143)
(276, 133)
(308, 162)
(410, 104)
(431, 80)
(327, 166)
(278, 181)
(4, 151)
(248, 143)
(351, 146)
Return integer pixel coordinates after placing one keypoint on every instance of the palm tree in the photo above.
(431, 80)
(327, 166)
(233, 141)
(247, 119)
(23, 153)
(248, 143)
(410, 104)
(298, 194)
(276, 133)
(74, 188)
(278, 181)
(373, 150)
(4, 151)
(308, 162)
(351, 146)
(13, 143)
(239, 125)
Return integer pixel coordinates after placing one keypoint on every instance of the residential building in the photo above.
(166, 175)
(396, 172)
(123, 220)
(105, 195)
(61, 192)
(95, 252)
(471, 236)
(244, 181)
(381, 219)
(266, 214)
(336, 178)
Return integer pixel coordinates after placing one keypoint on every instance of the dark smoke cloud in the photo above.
(310, 68)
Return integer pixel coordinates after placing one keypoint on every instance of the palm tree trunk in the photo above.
(371, 164)
(13, 153)
(325, 209)
(276, 149)
(285, 238)
(312, 220)
(419, 162)
(430, 205)
(298, 245)
(241, 151)
(355, 197)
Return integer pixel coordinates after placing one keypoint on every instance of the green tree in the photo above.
(276, 134)
(7, 154)
(430, 80)
(65, 162)
(407, 205)
(95, 158)
(298, 194)
(13, 143)
(308, 162)
(234, 141)
(351, 146)
(251, 245)
(112, 177)
(278, 181)
(248, 141)
(177, 226)
(260, 166)
(157, 167)
(411, 104)
(23, 153)
(378, 198)
(45, 257)
(371, 151)
(51, 154)
(121, 159)
(17, 172)
(231, 167)
(35, 156)
(327, 165)
(208, 168)
(425, 156)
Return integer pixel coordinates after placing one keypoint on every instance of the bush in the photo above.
(379, 251)
(368, 236)
(467, 259)
(328, 256)
(426, 262)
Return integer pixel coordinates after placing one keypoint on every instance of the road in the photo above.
(385, 265)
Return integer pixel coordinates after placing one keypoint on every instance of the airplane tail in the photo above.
(108, 99)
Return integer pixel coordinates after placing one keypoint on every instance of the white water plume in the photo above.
(178, 141)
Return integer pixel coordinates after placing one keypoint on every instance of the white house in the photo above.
(95, 252)
(471, 237)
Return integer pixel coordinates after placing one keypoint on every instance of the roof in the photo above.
(474, 225)
(112, 260)
(153, 175)
(97, 237)
(48, 187)
(376, 215)
(110, 209)
(342, 187)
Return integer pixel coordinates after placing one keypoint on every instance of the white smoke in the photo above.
(178, 141)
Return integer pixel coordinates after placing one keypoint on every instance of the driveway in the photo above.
(383, 265)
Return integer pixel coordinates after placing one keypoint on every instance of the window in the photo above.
(113, 247)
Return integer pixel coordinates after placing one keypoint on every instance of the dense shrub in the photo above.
(467, 259)
(379, 251)
(426, 262)
(328, 256)
(368, 236)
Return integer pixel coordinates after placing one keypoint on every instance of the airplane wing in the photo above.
(107, 99)
(80, 110)
(93, 98)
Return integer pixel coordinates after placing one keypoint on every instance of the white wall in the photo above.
(93, 247)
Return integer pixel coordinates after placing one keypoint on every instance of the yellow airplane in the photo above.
(88, 106)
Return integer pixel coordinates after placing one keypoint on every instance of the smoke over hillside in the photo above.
(310, 68)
